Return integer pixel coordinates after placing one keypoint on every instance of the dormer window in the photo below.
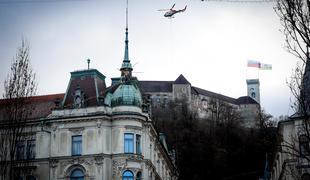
(78, 98)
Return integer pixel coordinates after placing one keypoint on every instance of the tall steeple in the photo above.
(126, 68)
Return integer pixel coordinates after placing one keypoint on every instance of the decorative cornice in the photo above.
(133, 127)
(76, 131)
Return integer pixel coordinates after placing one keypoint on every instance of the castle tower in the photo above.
(181, 89)
(253, 89)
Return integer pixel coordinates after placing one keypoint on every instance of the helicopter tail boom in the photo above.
(184, 9)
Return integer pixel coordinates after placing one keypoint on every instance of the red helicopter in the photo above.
(170, 12)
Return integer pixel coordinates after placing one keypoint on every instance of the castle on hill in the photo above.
(95, 131)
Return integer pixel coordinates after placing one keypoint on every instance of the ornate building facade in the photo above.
(93, 133)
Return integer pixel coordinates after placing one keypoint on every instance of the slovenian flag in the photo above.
(265, 66)
(252, 63)
(260, 66)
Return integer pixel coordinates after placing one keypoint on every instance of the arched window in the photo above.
(77, 174)
(127, 175)
(139, 176)
(305, 176)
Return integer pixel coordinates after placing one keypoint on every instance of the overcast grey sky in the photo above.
(209, 43)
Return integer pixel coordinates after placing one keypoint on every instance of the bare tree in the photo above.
(19, 86)
(296, 146)
(295, 18)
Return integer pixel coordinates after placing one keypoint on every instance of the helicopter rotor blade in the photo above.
(173, 6)
(163, 9)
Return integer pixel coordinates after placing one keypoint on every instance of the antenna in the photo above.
(126, 14)
(126, 55)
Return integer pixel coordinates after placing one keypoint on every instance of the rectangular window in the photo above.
(138, 144)
(128, 143)
(20, 150)
(31, 149)
(77, 145)
(304, 145)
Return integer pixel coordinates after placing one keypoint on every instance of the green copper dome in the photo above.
(126, 94)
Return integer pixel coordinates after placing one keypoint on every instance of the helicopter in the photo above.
(170, 12)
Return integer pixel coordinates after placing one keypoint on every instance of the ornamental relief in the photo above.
(98, 123)
(118, 166)
(53, 163)
(129, 118)
(99, 160)
(76, 131)
(135, 170)
(54, 127)
(87, 164)
(133, 127)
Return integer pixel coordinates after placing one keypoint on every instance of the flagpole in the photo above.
(258, 69)
(246, 71)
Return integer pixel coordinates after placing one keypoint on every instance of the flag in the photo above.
(265, 66)
(252, 63)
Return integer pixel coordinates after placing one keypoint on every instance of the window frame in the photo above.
(20, 150)
(76, 145)
(31, 149)
(304, 147)
(139, 175)
(77, 177)
(129, 143)
(127, 177)
(138, 144)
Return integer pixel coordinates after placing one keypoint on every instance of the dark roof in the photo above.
(155, 86)
(43, 105)
(245, 100)
(196, 90)
(90, 81)
(181, 80)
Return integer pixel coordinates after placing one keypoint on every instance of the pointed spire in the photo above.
(126, 62)
(126, 55)
(126, 65)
